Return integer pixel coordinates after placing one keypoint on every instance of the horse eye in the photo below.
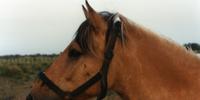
(74, 54)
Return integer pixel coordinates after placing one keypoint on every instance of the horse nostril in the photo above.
(29, 97)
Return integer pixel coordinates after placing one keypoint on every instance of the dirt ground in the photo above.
(13, 90)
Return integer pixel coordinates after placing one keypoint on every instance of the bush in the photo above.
(11, 71)
(193, 46)
(24, 67)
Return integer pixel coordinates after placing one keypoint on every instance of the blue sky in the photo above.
(48, 26)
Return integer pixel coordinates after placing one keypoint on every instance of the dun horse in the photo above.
(109, 52)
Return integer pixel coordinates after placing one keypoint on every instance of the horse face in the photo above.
(70, 70)
(80, 61)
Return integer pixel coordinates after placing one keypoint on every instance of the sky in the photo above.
(48, 26)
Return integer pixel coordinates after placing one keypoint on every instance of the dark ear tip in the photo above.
(88, 6)
(83, 7)
(86, 2)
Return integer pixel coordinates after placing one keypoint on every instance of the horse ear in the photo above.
(90, 9)
(85, 11)
(94, 18)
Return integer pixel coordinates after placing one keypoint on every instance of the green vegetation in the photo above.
(24, 68)
(17, 73)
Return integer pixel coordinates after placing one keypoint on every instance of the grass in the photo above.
(17, 73)
(24, 67)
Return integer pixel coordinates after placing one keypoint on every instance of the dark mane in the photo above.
(83, 36)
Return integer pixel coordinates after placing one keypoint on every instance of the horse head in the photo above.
(86, 67)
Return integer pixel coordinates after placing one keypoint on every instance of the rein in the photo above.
(111, 37)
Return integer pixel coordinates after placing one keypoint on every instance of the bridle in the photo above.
(114, 27)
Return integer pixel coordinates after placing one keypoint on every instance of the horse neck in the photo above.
(151, 62)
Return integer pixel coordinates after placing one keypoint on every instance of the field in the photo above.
(18, 72)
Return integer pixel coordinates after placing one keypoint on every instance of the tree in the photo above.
(193, 46)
